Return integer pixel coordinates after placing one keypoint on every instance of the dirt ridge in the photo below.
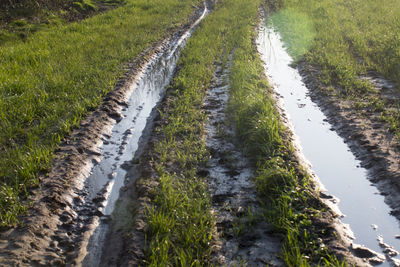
(242, 235)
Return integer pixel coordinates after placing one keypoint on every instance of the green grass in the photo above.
(55, 77)
(349, 38)
(19, 19)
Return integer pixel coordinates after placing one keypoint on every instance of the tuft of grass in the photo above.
(55, 77)
(179, 223)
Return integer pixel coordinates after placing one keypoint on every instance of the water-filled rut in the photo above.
(362, 205)
(109, 175)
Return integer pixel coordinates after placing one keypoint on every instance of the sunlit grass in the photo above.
(300, 35)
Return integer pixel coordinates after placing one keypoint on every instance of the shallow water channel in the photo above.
(109, 175)
(340, 173)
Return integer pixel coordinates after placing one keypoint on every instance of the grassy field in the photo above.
(180, 222)
(346, 40)
(20, 18)
(56, 76)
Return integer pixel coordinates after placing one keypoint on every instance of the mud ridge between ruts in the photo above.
(51, 232)
(243, 236)
(368, 138)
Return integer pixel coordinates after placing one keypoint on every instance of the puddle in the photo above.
(330, 158)
(109, 175)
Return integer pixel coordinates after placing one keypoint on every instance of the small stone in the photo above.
(377, 260)
(391, 252)
(240, 210)
(98, 199)
(53, 244)
(98, 212)
(221, 259)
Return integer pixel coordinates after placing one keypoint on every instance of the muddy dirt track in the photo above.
(58, 227)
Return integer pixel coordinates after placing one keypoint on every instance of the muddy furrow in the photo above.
(244, 237)
(72, 212)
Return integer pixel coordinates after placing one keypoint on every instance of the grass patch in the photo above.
(21, 18)
(50, 81)
(351, 39)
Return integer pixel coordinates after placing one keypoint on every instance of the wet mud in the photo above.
(243, 236)
(73, 212)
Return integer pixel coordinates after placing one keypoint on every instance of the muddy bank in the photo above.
(64, 215)
(368, 137)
